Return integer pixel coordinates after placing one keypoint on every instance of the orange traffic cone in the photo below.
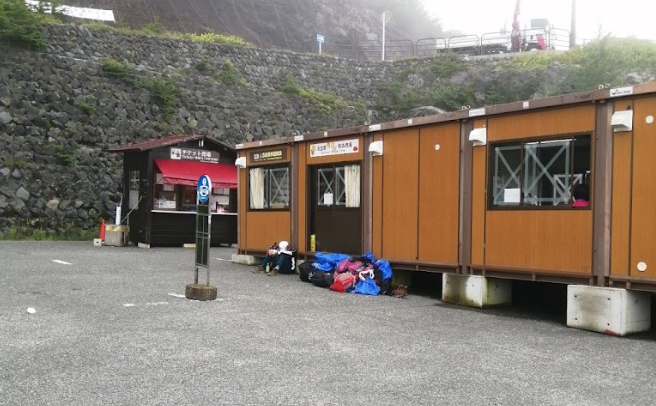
(102, 230)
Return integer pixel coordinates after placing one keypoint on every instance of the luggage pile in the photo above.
(341, 273)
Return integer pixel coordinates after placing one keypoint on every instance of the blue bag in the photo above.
(328, 262)
(367, 287)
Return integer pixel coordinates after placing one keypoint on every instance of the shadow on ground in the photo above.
(541, 301)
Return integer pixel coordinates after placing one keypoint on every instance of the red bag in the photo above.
(343, 282)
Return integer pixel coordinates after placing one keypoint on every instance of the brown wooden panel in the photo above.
(377, 203)
(544, 123)
(643, 194)
(479, 176)
(549, 240)
(621, 199)
(400, 194)
(303, 199)
(243, 203)
(263, 228)
(286, 150)
(439, 186)
(356, 156)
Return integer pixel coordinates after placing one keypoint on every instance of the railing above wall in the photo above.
(492, 43)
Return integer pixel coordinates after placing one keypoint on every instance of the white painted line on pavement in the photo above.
(222, 259)
(145, 304)
(178, 295)
(61, 262)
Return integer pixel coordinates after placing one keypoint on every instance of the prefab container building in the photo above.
(484, 192)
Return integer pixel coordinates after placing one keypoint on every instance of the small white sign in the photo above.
(176, 153)
(477, 112)
(328, 199)
(79, 12)
(512, 195)
(166, 204)
(335, 148)
(298, 138)
(239, 146)
(320, 38)
(621, 91)
(223, 200)
(525, 105)
(375, 127)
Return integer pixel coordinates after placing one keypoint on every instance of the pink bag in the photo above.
(350, 265)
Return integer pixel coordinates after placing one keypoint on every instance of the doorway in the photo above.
(335, 208)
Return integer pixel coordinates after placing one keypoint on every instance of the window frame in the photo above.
(521, 142)
(267, 197)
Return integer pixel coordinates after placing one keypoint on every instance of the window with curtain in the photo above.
(257, 191)
(269, 188)
(352, 185)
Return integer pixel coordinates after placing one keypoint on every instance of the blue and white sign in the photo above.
(320, 38)
(204, 188)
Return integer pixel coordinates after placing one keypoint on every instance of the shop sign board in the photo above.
(198, 155)
(334, 148)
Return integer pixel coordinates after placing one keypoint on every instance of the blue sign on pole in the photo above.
(204, 188)
(320, 38)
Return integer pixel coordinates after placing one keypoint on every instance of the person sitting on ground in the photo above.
(581, 196)
(278, 260)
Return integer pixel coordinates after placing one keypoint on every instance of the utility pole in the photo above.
(572, 30)
(383, 35)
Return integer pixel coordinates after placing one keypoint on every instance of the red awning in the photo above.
(188, 172)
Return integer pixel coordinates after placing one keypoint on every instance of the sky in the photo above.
(623, 18)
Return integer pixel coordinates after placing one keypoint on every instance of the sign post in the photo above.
(320, 40)
(198, 291)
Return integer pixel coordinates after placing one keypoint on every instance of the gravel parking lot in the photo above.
(109, 328)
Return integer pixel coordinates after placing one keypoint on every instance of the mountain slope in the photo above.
(287, 24)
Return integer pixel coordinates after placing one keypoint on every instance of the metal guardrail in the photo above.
(472, 45)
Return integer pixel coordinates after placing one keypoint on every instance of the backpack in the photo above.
(355, 265)
(322, 279)
(305, 270)
(385, 284)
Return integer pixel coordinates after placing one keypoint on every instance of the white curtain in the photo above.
(257, 188)
(352, 180)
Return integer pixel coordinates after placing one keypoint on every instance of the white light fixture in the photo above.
(622, 121)
(240, 162)
(376, 148)
(478, 137)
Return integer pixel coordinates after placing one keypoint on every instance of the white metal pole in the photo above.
(383, 35)
(319, 47)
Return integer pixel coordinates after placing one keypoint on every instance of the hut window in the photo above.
(269, 188)
(133, 196)
(339, 186)
(539, 173)
(326, 188)
(278, 187)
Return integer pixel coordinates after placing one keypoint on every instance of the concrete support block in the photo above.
(200, 292)
(245, 259)
(143, 246)
(608, 310)
(476, 291)
(116, 236)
